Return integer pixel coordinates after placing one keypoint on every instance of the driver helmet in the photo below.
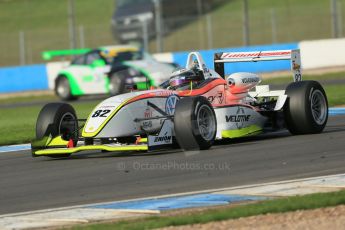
(184, 77)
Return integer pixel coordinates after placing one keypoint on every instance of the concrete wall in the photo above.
(322, 53)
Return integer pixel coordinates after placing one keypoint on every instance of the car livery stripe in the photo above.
(184, 93)
(247, 131)
(203, 90)
(179, 93)
(150, 95)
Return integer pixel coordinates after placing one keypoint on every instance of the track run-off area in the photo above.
(29, 184)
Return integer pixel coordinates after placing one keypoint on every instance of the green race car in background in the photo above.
(108, 70)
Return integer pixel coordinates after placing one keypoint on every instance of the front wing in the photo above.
(49, 146)
(109, 148)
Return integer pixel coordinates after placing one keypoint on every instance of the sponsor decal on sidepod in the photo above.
(240, 118)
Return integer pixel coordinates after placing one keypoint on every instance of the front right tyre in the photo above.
(195, 123)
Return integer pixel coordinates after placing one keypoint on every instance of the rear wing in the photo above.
(255, 56)
(48, 55)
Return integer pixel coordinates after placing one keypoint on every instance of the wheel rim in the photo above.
(206, 123)
(318, 107)
(68, 126)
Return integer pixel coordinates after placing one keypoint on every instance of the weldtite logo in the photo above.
(170, 104)
(240, 118)
(165, 138)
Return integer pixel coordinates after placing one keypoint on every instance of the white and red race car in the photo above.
(191, 117)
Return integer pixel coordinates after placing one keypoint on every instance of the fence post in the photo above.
(274, 25)
(201, 35)
(22, 53)
(334, 13)
(71, 25)
(209, 31)
(246, 39)
(158, 17)
(81, 36)
(145, 36)
(340, 17)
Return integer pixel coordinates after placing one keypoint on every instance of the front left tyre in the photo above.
(57, 119)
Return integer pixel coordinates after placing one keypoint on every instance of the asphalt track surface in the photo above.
(38, 183)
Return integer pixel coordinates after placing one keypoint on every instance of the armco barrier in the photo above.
(24, 78)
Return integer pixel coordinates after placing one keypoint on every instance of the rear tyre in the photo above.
(306, 110)
(63, 89)
(117, 83)
(58, 119)
(195, 123)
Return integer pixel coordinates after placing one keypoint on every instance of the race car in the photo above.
(108, 70)
(193, 109)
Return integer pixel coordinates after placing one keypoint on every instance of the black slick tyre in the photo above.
(57, 119)
(306, 109)
(195, 123)
(117, 83)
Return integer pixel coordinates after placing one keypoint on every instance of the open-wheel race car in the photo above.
(191, 110)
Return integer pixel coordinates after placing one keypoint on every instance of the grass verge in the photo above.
(27, 99)
(282, 205)
(335, 94)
